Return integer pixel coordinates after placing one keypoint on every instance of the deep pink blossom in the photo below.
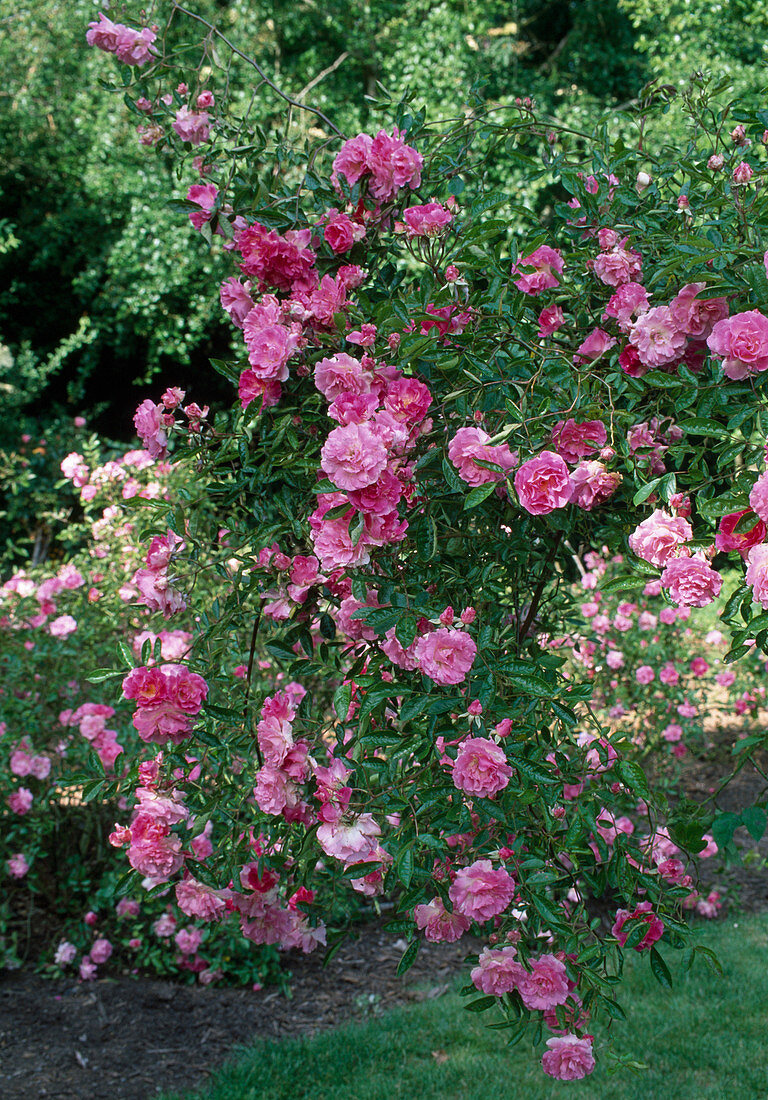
(568, 1058)
(481, 767)
(691, 582)
(480, 892)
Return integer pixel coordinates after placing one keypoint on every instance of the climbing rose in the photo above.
(573, 440)
(568, 1058)
(691, 581)
(546, 985)
(480, 892)
(470, 445)
(192, 126)
(644, 911)
(353, 456)
(545, 261)
(497, 972)
(444, 655)
(758, 497)
(438, 925)
(657, 338)
(656, 539)
(757, 574)
(426, 221)
(727, 538)
(481, 767)
(543, 484)
(741, 342)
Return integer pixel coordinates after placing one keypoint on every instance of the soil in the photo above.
(130, 1038)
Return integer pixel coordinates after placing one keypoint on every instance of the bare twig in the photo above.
(254, 64)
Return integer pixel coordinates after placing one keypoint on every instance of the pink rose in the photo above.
(444, 655)
(741, 342)
(545, 261)
(758, 497)
(192, 126)
(481, 767)
(353, 456)
(497, 972)
(546, 985)
(438, 925)
(470, 445)
(568, 1058)
(341, 232)
(657, 538)
(691, 581)
(657, 338)
(757, 574)
(574, 440)
(592, 484)
(479, 892)
(597, 343)
(426, 221)
(543, 484)
(727, 538)
(654, 926)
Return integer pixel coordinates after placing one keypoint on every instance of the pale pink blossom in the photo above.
(470, 445)
(546, 985)
(438, 925)
(481, 767)
(691, 582)
(445, 655)
(481, 891)
(657, 538)
(497, 972)
(741, 342)
(568, 1058)
(757, 574)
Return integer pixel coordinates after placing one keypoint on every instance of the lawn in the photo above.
(704, 1040)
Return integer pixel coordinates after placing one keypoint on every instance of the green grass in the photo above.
(706, 1039)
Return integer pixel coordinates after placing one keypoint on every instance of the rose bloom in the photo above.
(101, 949)
(592, 484)
(444, 655)
(574, 440)
(757, 574)
(691, 582)
(595, 345)
(426, 221)
(545, 261)
(550, 320)
(546, 985)
(497, 972)
(543, 484)
(479, 892)
(741, 342)
(471, 444)
(657, 537)
(672, 732)
(657, 338)
(727, 538)
(481, 767)
(438, 925)
(353, 456)
(655, 926)
(645, 674)
(568, 1058)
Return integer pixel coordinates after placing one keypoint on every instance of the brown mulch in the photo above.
(127, 1039)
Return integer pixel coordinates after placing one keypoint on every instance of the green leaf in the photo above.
(634, 777)
(360, 870)
(754, 820)
(125, 652)
(408, 958)
(481, 1004)
(99, 675)
(478, 495)
(660, 969)
(342, 697)
(404, 867)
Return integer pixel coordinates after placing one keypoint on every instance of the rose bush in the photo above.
(407, 597)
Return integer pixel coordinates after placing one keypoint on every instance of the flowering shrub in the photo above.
(57, 724)
(426, 425)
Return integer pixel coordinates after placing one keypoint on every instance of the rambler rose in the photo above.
(691, 582)
(757, 574)
(568, 1058)
(547, 264)
(481, 891)
(497, 971)
(741, 342)
(481, 767)
(574, 440)
(353, 456)
(445, 655)
(543, 484)
(728, 538)
(471, 445)
(657, 538)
